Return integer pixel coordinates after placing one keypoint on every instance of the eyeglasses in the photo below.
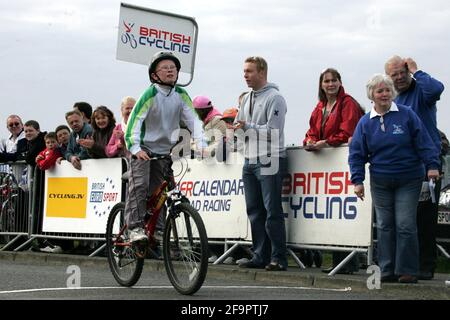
(166, 68)
(14, 124)
(382, 124)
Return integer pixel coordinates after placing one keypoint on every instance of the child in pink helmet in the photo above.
(213, 125)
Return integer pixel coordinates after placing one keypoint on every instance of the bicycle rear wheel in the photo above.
(125, 265)
(185, 249)
(7, 219)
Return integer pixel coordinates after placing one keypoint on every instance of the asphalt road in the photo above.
(22, 280)
(228, 293)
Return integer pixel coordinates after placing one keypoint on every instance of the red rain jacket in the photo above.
(339, 125)
(50, 157)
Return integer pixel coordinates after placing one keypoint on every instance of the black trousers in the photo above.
(427, 214)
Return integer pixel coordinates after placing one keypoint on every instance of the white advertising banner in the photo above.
(216, 190)
(79, 201)
(143, 32)
(319, 202)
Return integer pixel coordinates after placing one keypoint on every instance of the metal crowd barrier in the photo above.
(15, 203)
(36, 235)
(21, 215)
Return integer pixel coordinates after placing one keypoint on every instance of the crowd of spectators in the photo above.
(398, 137)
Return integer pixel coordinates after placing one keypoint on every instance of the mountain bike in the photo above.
(184, 239)
(9, 191)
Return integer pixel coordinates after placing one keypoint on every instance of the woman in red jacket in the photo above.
(335, 117)
(332, 123)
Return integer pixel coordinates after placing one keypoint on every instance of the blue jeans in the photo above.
(395, 202)
(264, 210)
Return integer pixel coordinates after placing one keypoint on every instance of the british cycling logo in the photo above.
(156, 38)
(128, 37)
(398, 129)
(103, 195)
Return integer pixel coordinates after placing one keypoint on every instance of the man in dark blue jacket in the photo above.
(420, 91)
(80, 130)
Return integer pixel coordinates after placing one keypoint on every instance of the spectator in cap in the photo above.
(215, 128)
(228, 116)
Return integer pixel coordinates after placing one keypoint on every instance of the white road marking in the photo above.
(170, 287)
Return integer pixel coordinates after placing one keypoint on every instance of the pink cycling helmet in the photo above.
(201, 102)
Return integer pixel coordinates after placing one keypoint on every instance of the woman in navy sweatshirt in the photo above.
(399, 149)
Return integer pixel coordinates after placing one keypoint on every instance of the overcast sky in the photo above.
(53, 53)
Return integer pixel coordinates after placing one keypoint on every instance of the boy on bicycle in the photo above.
(153, 130)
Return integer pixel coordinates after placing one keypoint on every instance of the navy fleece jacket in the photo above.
(401, 151)
(422, 95)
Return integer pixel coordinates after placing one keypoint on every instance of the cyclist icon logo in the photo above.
(128, 37)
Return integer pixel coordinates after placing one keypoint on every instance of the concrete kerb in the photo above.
(49, 258)
(301, 278)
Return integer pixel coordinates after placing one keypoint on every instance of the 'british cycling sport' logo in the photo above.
(103, 196)
(156, 38)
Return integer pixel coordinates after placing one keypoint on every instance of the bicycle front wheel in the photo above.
(185, 249)
(125, 265)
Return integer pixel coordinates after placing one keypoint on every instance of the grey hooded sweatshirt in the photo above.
(264, 112)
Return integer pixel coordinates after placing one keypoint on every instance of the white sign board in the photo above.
(216, 190)
(319, 201)
(144, 32)
(80, 201)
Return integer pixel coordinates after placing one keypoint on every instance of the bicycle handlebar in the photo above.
(152, 158)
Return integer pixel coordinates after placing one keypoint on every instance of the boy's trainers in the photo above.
(138, 234)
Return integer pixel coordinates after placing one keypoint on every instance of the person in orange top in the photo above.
(46, 159)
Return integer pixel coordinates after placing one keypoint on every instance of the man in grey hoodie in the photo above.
(261, 118)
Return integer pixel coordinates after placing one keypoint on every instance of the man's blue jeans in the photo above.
(395, 201)
(265, 212)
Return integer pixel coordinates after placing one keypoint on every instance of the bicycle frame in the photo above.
(155, 203)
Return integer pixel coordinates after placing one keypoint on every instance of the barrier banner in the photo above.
(216, 190)
(80, 201)
(319, 202)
